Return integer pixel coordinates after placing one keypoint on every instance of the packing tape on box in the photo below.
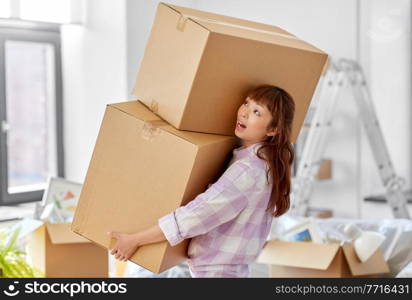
(181, 23)
(154, 106)
(151, 129)
(184, 17)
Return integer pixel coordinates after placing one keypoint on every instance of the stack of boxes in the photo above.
(159, 152)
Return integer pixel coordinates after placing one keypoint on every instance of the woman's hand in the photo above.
(126, 245)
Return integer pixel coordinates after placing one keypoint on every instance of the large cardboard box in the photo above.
(141, 169)
(308, 259)
(197, 67)
(58, 252)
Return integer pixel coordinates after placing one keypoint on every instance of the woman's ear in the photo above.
(272, 132)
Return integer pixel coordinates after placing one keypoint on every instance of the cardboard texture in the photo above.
(58, 252)
(307, 259)
(141, 169)
(198, 67)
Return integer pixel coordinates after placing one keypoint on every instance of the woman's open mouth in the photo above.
(240, 126)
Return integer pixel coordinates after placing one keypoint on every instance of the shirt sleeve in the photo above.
(220, 203)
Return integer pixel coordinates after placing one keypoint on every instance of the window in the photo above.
(45, 10)
(51, 11)
(30, 112)
(31, 147)
(5, 8)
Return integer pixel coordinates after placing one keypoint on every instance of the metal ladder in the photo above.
(344, 73)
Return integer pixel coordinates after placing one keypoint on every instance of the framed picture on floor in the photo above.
(59, 200)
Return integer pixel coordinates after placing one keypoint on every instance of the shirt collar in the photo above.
(242, 151)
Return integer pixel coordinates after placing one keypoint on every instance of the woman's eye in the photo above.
(245, 102)
(257, 112)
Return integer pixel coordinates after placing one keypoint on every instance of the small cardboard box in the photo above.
(307, 259)
(141, 169)
(325, 170)
(198, 66)
(58, 252)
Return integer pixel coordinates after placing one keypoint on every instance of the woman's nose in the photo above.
(244, 113)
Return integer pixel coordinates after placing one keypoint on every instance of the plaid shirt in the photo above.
(228, 223)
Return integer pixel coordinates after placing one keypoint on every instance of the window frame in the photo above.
(29, 32)
(77, 12)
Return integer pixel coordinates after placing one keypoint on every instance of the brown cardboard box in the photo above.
(142, 168)
(325, 170)
(307, 259)
(319, 212)
(198, 66)
(58, 252)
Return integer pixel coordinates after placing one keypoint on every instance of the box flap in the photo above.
(140, 111)
(298, 254)
(243, 28)
(197, 15)
(376, 264)
(61, 234)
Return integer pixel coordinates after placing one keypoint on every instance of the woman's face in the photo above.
(252, 122)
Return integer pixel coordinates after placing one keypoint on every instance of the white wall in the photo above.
(330, 25)
(386, 50)
(140, 17)
(94, 74)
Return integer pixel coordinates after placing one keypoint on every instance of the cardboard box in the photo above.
(58, 252)
(325, 169)
(142, 168)
(198, 66)
(307, 259)
(321, 213)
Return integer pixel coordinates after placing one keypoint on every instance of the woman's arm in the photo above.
(127, 244)
(221, 202)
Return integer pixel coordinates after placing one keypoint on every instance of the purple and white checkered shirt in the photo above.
(228, 223)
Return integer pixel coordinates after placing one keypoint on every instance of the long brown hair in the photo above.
(277, 150)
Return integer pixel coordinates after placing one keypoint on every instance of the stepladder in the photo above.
(344, 74)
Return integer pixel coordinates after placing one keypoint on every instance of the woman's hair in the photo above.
(277, 150)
